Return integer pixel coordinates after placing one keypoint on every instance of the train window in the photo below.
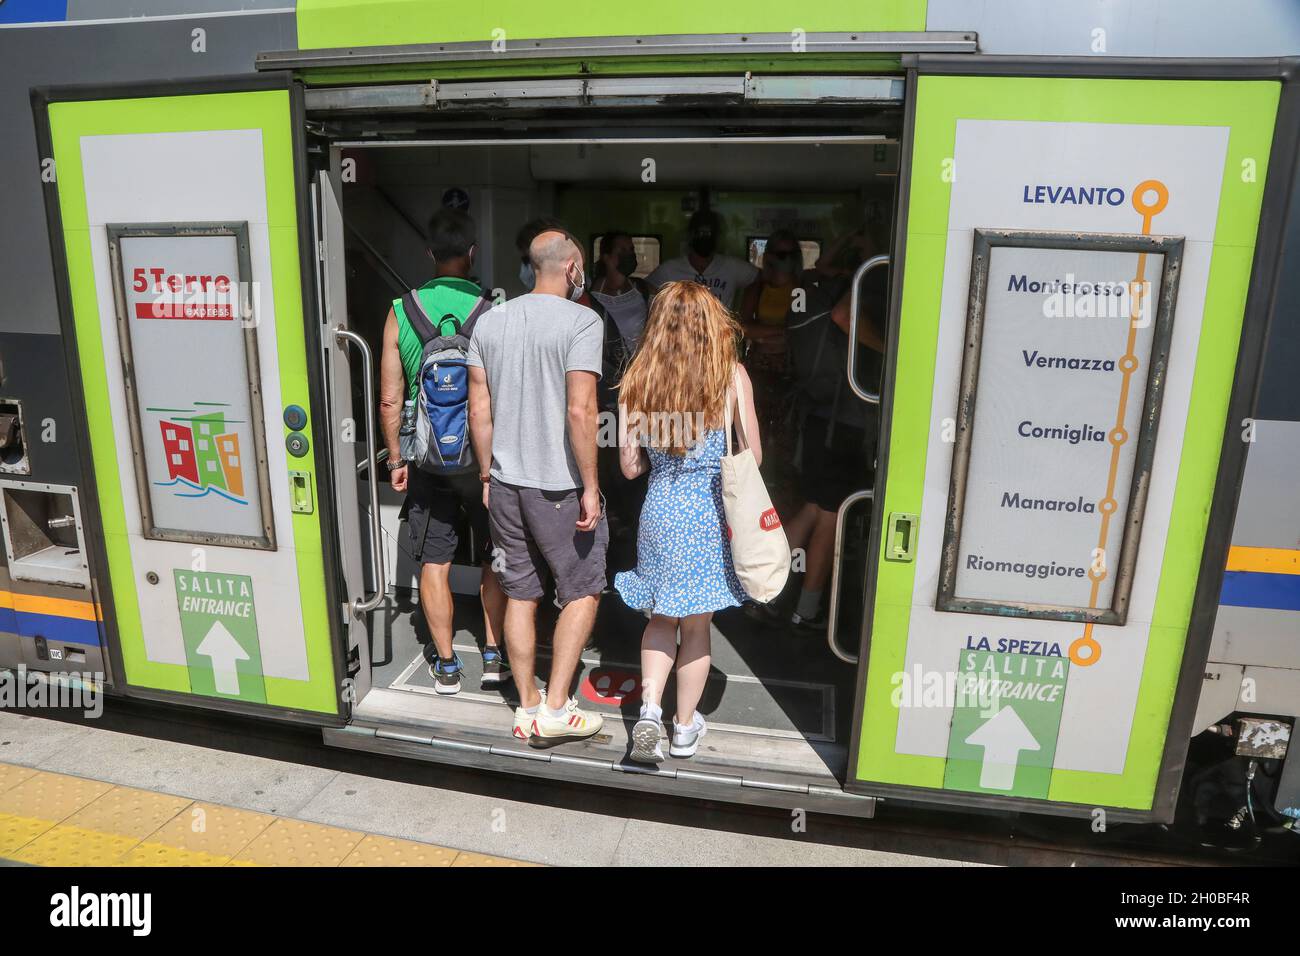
(647, 253)
(811, 249)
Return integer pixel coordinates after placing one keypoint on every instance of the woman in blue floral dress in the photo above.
(674, 398)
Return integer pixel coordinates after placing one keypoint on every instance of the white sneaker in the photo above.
(645, 741)
(573, 724)
(523, 728)
(686, 740)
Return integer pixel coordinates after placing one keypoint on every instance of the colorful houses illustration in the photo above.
(202, 455)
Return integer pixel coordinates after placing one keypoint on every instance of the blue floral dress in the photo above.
(683, 548)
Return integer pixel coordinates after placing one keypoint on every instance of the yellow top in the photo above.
(773, 304)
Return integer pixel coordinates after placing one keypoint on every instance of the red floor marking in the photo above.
(604, 685)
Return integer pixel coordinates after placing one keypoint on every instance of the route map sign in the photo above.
(1067, 340)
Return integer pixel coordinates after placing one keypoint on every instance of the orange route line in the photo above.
(1128, 365)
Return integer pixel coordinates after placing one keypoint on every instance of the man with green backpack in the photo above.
(423, 401)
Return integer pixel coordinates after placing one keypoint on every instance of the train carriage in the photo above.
(1079, 546)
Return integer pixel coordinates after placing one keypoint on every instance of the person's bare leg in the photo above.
(494, 606)
(821, 555)
(799, 528)
(821, 552)
(693, 663)
(658, 651)
(521, 644)
(571, 632)
(435, 601)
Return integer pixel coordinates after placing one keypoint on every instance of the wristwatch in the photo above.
(395, 463)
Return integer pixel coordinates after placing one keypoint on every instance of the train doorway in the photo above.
(779, 697)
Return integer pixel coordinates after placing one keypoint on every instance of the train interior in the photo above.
(777, 698)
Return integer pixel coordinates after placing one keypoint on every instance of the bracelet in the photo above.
(395, 463)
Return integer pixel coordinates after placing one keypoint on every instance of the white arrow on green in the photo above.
(1002, 736)
(220, 647)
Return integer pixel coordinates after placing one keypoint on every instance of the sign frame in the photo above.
(985, 241)
(239, 232)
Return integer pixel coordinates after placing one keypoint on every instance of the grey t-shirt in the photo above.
(527, 346)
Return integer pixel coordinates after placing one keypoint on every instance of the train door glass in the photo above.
(181, 221)
(1054, 403)
(779, 695)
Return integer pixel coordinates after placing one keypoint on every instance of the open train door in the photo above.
(1070, 351)
(180, 230)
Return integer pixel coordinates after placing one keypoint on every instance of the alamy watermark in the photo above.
(61, 690)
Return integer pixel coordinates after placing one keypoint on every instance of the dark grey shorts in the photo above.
(437, 507)
(535, 537)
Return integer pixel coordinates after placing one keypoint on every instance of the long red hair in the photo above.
(676, 383)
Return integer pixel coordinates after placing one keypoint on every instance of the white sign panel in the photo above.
(1045, 177)
(1058, 401)
(189, 335)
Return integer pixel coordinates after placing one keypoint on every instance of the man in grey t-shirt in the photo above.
(534, 363)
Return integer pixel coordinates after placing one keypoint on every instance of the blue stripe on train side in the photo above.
(34, 11)
(64, 630)
(1280, 592)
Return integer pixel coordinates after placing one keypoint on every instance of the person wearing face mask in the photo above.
(623, 299)
(436, 505)
(763, 309)
(766, 301)
(524, 238)
(722, 275)
(614, 286)
(534, 363)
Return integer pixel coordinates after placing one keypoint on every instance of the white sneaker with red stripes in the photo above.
(523, 728)
(572, 723)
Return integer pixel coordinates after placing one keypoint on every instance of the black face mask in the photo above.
(627, 263)
(703, 243)
(783, 262)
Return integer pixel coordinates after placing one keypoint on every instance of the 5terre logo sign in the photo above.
(184, 296)
(203, 456)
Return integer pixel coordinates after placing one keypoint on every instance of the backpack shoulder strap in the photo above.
(417, 317)
(485, 302)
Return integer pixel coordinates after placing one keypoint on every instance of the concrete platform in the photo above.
(75, 794)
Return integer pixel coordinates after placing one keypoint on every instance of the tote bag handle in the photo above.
(738, 390)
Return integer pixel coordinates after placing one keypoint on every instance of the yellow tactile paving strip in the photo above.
(53, 819)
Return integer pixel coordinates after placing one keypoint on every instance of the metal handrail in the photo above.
(363, 605)
(380, 457)
(833, 611)
(855, 297)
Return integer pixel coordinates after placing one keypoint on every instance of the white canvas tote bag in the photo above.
(759, 549)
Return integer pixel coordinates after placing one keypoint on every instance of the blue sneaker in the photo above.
(446, 675)
(495, 668)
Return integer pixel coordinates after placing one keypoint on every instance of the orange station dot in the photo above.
(1154, 207)
(1128, 363)
(1108, 506)
(1118, 436)
(1085, 651)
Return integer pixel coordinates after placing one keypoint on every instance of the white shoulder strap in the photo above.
(739, 391)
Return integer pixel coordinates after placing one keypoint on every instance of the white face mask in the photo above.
(526, 276)
(576, 292)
